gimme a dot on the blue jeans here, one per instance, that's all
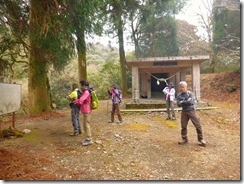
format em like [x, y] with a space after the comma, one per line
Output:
[75, 117]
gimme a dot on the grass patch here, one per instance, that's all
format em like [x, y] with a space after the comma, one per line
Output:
[171, 124]
[138, 126]
[32, 137]
[158, 118]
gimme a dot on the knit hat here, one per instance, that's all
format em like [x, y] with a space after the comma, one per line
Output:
[171, 84]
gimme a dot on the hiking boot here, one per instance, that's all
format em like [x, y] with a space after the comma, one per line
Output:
[110, 122]
[74, 134]
[86, 142]
[168, 118]
[202, 142]
[183, 141]
[173, 118]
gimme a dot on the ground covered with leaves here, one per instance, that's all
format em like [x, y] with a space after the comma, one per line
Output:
[144, 147]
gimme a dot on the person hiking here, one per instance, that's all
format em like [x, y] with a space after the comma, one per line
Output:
[85, 102]
[186, 100]
[115, 97]
[169, 92]
[75, 109]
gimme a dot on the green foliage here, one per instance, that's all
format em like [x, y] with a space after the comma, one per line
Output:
[205, 67]
[226, 36]
[60, 88]
[131, 55]
[57, 50]
[160, 39]
[101, 75]
[101, 81]
[189, 42]
[12, 43]
[99, 54]
[108, 75]
[59, 93]
[105, 52]
[86, 16]
[222, 64]
[156, 29]
[95, 60]
[226, 29]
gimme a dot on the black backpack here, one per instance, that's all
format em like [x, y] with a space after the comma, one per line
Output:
[79, 93]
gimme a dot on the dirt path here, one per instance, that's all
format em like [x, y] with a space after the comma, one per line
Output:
[144, 147]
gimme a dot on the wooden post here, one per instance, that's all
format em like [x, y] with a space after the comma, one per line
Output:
[13, 120]
[196, 80]
[135, 83]
[149, 92]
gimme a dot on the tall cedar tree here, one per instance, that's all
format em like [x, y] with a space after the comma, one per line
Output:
[116, 11]
[50, 44]
[154, 28]
[86, 18]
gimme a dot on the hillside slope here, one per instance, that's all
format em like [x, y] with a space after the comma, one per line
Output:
[218, 86]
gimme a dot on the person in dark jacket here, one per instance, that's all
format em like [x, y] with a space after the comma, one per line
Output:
[75, 110]
[186, 100]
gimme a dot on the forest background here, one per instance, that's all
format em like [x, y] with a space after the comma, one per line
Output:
[45, 44]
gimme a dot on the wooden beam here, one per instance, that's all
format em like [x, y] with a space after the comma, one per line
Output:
[164, 109]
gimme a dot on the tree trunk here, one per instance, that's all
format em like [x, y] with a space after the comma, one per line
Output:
[81, 48]
[213, 59]
[135, 39]
[79, 25]
[38, 90]
[1, 72]
[153, 41]
[122, 56]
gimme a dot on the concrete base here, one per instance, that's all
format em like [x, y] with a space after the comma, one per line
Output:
[155, 103]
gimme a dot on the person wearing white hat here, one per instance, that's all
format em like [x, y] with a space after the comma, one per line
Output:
[169, 92]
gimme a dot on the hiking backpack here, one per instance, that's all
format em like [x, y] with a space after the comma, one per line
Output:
[94, 99]
[120, 96]
[79, 94]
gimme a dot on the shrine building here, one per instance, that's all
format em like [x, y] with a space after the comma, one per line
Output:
[151, 75]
